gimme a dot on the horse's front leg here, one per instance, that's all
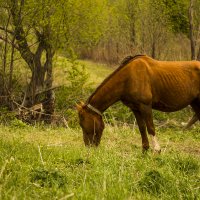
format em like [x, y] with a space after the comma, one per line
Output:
[142, 128]
[146, 111]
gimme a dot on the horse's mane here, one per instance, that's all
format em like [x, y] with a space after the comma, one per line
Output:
[124, 62]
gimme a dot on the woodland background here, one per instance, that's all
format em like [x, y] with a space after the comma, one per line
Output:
[33, 34]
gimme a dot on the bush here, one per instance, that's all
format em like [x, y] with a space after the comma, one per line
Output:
[17, 123]
[77, 89]
[6, 116]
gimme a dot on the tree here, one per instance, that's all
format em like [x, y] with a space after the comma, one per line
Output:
[177, 11]
[6, 39]
[184, 18]
[153, 27]
[33, 40]
[194, 25]
[191, 20]
[118, 32]
[40, 28]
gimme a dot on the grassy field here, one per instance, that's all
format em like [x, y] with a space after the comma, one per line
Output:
[52, 163]
[44, 162]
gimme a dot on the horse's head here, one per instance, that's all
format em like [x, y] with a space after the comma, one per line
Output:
[91, 124]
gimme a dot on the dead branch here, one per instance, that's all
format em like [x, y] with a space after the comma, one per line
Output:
[9, 42]
[37, 112]
[6, 30]
[46, 90]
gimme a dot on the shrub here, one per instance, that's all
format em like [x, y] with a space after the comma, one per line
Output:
[77, 89]
[6, 116]
[17, 123]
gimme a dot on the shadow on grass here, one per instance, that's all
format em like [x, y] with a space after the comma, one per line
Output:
[48, 178]
[153, 182]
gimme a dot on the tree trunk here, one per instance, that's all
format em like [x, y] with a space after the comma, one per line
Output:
[36, 84]
[198, 55]
[41, 76]
[192, 39]
[153, 50]
[3, 74]
[49, 102]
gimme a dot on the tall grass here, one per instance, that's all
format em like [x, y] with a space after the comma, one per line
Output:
[46, 163]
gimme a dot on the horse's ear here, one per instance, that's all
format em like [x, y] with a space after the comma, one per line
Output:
[82, 104]
[79, 107]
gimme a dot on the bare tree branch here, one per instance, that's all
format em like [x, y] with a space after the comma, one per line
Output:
[9, 42]
[6, 30]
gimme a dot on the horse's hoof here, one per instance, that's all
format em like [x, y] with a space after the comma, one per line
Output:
[157, 151]
[145, 150]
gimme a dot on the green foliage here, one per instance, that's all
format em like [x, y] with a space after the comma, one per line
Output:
[6, 116]
[72, 23]
[16, 123]
[77, 87]
[77, 76]
[178, 13]
[83, 22]
[119, 114]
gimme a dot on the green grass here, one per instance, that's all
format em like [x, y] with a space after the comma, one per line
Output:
[52, 163]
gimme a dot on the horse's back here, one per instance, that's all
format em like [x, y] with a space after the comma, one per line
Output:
[173, 84]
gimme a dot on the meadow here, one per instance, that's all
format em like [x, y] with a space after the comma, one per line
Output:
[49, 162]
[52, 163]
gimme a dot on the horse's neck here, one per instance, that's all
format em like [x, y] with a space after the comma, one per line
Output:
[107, 94]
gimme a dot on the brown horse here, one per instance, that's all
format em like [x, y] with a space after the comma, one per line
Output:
[142, 84]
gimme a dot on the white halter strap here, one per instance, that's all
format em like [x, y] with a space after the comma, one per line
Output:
[94, 109]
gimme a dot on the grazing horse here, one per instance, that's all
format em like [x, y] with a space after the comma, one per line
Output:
[142, 84]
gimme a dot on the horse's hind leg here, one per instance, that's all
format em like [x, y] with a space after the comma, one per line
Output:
[142, 128]
[191, 122]
[196, 107]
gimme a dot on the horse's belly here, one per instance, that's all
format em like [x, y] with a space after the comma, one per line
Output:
[171, 103]
[162, 106]
[174, 98]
